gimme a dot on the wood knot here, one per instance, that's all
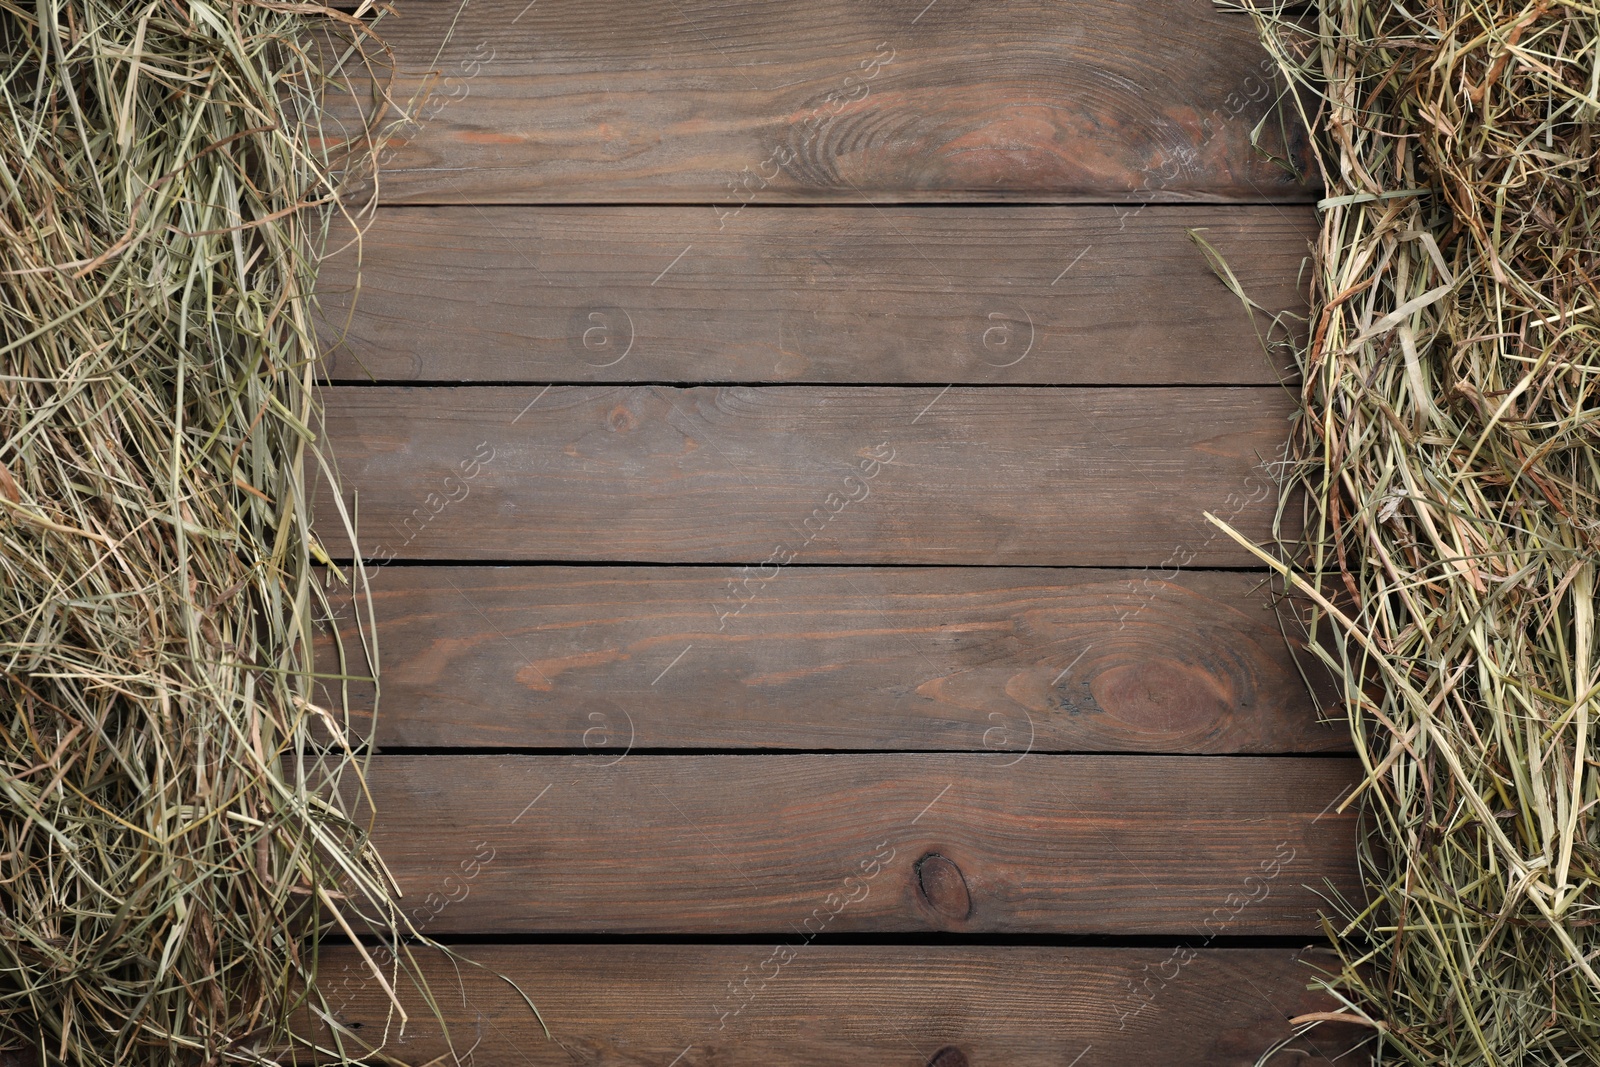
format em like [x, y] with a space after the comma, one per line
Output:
[943, 889]
[621, 420]
[1161, 695]
[949, 1056]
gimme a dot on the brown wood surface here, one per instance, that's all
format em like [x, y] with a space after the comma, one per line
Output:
[1026, 295]
[1081, 477]
[1008, 660]
[667, 145]
[721, 103]
[840, 843]
[841, 1006]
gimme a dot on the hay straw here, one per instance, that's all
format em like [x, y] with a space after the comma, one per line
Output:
[179, 825]
[1451, 483]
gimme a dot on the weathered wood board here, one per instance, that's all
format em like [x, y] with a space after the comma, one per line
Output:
[1039, 477]
[725, 104]
[615, 659]
[1000, 295]
[867, 843]
[832, 1005]
[793, 535]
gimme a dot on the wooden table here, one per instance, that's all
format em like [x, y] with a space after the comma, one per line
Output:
[780, 432]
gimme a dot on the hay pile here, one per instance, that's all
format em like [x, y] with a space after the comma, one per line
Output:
[1449, 446]
[175, 830]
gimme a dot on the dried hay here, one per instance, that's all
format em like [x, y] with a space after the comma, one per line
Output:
[1448, 465]
[179, 824]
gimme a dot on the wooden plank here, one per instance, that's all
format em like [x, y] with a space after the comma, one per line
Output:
[762, 844]
[716, 102]
[1010, 660]
[824, 1005]
[1047, 477]
[1084, 295]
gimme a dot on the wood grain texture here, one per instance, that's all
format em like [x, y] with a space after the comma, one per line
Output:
[1027, 295]
[1010, 660]
[748, 844]
[841, 1006]
[1049, 477]
[711, 101]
